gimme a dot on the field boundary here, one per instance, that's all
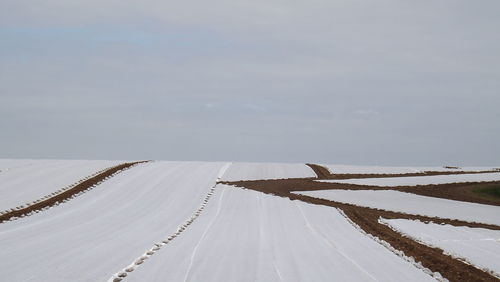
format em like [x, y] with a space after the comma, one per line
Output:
[65, 194]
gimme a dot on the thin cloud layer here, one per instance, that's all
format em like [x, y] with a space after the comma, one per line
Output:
[375, 82]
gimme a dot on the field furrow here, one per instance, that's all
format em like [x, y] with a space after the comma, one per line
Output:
[101, 231]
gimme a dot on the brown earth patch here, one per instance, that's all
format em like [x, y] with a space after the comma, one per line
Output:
[465, 192]
[68, 194]
[367, 219]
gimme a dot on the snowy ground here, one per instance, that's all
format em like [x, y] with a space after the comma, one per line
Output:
[244, 235]
[240, 235]
[421, 180]
[412, 204]
[96, 234]
[253, 171]
[478, 246]
[355, 169]
[23, 181]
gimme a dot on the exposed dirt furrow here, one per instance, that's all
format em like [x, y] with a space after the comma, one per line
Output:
[66, 195]
[368, 220]
[276, 187]
[452, 191]
[323, 173]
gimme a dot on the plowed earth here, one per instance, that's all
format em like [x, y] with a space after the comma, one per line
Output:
[368, 218]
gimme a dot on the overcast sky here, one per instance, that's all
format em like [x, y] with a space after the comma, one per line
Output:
[354, 82]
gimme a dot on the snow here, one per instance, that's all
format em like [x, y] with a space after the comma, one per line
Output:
[245, 235]
[420, 180]
[478, 246]
[9, 164]
[412, 204]
[24, 181]
[355, 169]
[94, 235]
[255, 171]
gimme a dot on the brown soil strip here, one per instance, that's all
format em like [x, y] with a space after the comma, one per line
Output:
[323, 173]
[464, 192]
[454, 191]
[68, 194]
[367, 219]
[285, 187]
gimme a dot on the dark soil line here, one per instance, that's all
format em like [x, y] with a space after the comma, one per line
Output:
[430, 257]
[323, 173]
[367, 219]
[68, 194]
[451, 191]
[274, 187]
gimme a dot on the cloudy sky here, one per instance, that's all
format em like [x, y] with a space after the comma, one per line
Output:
[354, 82]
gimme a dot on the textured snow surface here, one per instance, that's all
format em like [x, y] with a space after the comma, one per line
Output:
[420, 180]
[253, 171]
[354, 169]
[23, 181]
[478, 246]
[412, 204]
[244, 235]
[94, 235]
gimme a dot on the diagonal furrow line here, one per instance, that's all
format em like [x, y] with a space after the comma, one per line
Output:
[65, 194]
[120, 275]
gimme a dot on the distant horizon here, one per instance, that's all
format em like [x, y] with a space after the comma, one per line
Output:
[284, 162]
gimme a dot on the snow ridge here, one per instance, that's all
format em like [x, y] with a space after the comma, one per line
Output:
[435, 275]
[120, 275]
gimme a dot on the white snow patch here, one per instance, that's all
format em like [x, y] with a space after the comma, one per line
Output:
[244, 235]
[32, 180]
[420, 180]
[412, 204]
[93, 235]
[477, 246]
[256, 171]
[356, 169]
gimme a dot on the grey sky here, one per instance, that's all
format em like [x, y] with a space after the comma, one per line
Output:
[361, 82]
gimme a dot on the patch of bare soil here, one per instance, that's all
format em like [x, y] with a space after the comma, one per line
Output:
[465, 192]
[367, 219]
[68, 194]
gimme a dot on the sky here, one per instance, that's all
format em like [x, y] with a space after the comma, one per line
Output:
[349, 82]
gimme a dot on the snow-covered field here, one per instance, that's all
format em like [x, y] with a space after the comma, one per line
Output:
[254, 171]
[239, 235]
[98, 233]
[421, 180]
[412, 204]
[249, 236]
[358, 169]
[23, 181]
[478, 246]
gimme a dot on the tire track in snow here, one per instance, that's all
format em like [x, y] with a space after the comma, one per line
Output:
[193, 254]
[65, 194]
[120, 275]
